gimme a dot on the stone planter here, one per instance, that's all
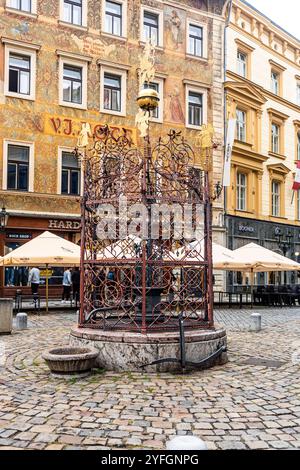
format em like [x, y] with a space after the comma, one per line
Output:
[6, 316]
[70, 361]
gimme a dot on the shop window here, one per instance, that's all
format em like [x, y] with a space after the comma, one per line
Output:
[70, 174]
[17, 167]
[276, 189]
[241, 191]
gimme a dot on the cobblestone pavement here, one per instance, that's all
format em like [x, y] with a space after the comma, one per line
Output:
[251, 403]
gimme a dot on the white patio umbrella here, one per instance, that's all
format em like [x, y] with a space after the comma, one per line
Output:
[46, 249]
[195, 250]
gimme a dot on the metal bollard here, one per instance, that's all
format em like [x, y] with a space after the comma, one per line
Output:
[255, 322]
[21, 321]
[186, 443]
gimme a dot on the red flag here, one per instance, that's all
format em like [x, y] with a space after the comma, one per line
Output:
[296, 185]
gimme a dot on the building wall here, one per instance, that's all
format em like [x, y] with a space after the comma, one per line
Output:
[50, 126]
[257, 32]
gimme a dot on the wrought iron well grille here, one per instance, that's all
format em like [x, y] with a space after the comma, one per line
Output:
[130, 279]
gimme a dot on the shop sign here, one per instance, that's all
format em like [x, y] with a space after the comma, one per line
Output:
[19, 236]
[64, 224]
[246, 228]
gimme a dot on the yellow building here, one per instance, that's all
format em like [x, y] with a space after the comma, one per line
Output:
[263, 93]
[65, 62]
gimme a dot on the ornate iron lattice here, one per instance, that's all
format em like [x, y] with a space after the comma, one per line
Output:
[130, 279]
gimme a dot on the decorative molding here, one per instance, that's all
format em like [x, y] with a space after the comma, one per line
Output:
[73, 55]
[14, 42]
[115, 65]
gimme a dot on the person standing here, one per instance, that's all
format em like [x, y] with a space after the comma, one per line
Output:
[76, 284]
[67, 283]
[34, 280]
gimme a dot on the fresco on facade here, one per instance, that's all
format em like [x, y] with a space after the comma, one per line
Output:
[174, 27]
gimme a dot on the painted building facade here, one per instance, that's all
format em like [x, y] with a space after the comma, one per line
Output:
[263, 92]
[64, 62]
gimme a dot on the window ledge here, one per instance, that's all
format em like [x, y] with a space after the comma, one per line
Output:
[195, 128]
[113, 113]
[19, 96]
[113, 36]
[275, 218]
[73, 105]
[195, 57]
[242, 143]
[73, 26]
[21, 13]
[276, 155]
[241, 213]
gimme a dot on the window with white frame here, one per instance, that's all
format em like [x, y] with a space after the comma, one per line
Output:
[298, 145]
[241, 191]
[195, 40]
[113, 18]
[18, 166]
[275, 138]
[72, 84]
[242, 63]
[72, 81]
[275, 198]
[113, 90]
[151, 27]
[20, 71]
[195, 108]
[298, 94]
[74, 12]
[275, 82]
[70, 174]
[241, 123]
[157, 113]
[22, 5]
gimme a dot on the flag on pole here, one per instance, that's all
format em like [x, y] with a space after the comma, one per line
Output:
[296, 185]
[228, 151]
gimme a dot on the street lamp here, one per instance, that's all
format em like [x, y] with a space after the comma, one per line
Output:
[284, 244]
[4, 215]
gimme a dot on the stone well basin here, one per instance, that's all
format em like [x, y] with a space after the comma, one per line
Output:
[71, 360]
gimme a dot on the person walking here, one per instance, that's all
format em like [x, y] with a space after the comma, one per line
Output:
[76, 284]
[34, 280]
[67, 283]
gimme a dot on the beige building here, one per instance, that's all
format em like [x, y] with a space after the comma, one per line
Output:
[263, 93]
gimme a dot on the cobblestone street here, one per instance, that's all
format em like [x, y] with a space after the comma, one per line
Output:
[251, 403]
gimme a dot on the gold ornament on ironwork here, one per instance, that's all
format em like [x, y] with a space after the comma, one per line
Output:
[204, 144]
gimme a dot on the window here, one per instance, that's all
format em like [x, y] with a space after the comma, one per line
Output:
[72, 84]
[275, 78]
[298, 145]
[72, 12]
[195, 108]
[242, 64]
[241, 192]
[275, 135]
[23, 5]
[298, 94]
[195, 40]
[275, 198]
[241, 125]
[151, 27]
[112, 92]
[19, 74]
[17, 167]
[70, 174]
[113, 18]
